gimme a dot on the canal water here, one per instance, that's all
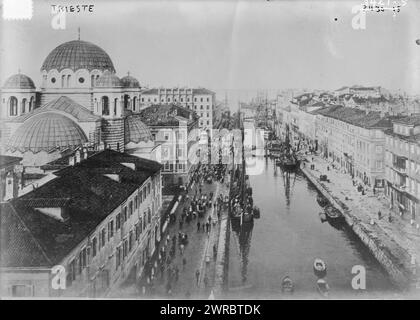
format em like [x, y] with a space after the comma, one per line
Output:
[286, 240]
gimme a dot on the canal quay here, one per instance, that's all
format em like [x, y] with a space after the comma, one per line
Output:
[286, 240]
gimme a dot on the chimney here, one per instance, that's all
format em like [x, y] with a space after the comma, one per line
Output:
[71, 160]
[56, 212]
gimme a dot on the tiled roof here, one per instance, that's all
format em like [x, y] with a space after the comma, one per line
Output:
[150, 91]
[62, 162]
[18, 247]
[88, 196]
[46, 132]
[202, 91]
[166, 115]
[8, 160]
[62, 104]
[356, 117]
[77, 55]
[19, 81]
[413, 120]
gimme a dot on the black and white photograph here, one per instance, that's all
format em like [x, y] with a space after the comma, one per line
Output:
[209, 150]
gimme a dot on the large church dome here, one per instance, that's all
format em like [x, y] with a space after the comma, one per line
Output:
[77, 55]
[46, 132]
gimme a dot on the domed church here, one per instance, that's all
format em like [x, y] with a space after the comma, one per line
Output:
[81, 103]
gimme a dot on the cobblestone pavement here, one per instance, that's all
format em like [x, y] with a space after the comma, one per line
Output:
[366, 208]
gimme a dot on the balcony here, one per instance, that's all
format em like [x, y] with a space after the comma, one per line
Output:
[400, 187]
[399, 169]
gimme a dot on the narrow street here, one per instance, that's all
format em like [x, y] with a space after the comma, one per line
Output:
[198, 252]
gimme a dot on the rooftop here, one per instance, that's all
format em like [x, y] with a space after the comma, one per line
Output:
[167, 115]
[6, 161]
[35, 239]
[356, 117]
[62, 104]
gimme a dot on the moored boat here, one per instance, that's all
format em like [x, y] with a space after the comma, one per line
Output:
[323, 288]
[323, 216]
[320, 268]
[287, 285]
[333, 213]
[322, 201]
[256, 212]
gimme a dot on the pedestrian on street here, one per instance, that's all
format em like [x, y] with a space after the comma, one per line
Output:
[181, 247]
[197, 276]
[206, 281]
[198, 226]
[379, 215]
[214, 251]
[176, 274]
[390, 218]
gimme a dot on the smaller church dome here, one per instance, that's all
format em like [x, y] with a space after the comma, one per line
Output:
[130, 82]
[108, 80]
[136, 130]
[45, 132]
[19, 81]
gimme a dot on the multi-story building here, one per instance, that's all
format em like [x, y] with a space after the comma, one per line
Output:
[200, 100]
[402, 164]
[82, 233]
[175, 129]
[355, 141]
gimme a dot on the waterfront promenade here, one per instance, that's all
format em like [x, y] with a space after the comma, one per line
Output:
[398, 239]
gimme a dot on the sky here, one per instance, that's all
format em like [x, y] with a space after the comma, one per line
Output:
[237, 47]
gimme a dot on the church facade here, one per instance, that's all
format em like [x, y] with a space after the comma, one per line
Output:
[81, 102]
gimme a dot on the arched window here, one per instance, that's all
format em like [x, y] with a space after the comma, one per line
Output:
[63, 77]
[92, 80]
[134, 103]
[105, 106]
[115, 106]
[68, 80]
[23, 105]
[126, 101]
[31, 104]
[13, 106]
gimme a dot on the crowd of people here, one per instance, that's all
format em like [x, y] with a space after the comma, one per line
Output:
[196, 207]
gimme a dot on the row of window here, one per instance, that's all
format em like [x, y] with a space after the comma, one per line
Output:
[106, 234]
[174, 99]
[403, 145]
[128, 104]
[171, 167]
[13, 105]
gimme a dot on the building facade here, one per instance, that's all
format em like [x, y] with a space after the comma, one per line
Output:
[354, 141]
[176, 130]
[200, 100]
[402, 165]
[94, 225]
